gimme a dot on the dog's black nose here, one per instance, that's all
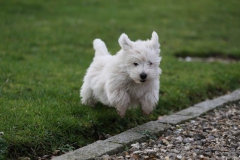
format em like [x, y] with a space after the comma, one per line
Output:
[143, 75]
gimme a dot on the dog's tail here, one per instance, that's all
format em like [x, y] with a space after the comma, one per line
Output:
[100, 47]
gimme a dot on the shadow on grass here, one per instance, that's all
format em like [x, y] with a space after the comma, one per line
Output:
[207, 54]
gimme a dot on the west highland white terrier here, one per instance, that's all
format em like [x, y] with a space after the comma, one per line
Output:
[124, 80]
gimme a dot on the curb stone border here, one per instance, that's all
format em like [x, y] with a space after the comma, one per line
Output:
[117, 143]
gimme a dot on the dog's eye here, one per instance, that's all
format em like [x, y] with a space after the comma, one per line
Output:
[150, 63]
[135, 64]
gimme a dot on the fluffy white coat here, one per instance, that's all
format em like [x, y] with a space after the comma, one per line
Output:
[127, 79]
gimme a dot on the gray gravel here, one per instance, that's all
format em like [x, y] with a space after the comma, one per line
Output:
[216, 135]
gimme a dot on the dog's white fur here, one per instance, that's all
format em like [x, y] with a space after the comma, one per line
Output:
[114, 80]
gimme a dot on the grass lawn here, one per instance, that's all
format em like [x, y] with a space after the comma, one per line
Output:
[46, 47]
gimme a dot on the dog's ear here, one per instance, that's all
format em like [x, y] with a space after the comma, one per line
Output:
[125, 42]
[155, 43]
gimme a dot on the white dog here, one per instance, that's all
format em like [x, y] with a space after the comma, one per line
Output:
[124, 80]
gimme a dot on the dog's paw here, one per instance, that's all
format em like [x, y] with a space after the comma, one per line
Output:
[121, 113]
[88, 102]
[147, 111]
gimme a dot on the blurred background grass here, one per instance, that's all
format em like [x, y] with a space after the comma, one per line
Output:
[46, 47]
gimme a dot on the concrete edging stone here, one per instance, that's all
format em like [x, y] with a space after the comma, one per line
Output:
[118, 143]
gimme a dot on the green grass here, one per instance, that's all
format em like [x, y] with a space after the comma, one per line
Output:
[46, 47]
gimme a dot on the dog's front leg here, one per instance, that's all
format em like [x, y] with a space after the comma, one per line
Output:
[149, 101]
[120, 100]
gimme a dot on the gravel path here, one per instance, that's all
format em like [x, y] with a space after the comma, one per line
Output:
[215, 135]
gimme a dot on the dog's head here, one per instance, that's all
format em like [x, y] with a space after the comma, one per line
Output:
[141, 58]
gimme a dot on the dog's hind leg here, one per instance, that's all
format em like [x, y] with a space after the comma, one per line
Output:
[86, 95]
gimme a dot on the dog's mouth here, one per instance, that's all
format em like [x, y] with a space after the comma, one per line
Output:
[142, 80]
